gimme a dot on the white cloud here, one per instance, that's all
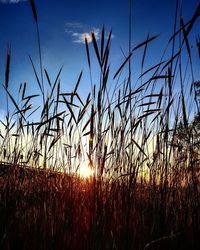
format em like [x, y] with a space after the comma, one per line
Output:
[11, 1]
[78, 32]
[80, 37]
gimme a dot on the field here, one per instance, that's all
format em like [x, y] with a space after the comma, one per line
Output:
[116, 169]
[41, 210]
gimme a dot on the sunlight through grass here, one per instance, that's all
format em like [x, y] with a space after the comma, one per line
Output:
[85, 170]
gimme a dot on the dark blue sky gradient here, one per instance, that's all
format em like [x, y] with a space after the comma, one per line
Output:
[18, 29]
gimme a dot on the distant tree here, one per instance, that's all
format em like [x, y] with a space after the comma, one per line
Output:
[196, 86]
[187, 146]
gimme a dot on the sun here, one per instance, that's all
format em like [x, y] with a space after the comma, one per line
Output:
[85, 170]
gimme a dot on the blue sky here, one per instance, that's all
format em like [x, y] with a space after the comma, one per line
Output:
[62, 25]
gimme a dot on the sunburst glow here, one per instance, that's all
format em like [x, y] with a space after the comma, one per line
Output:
[85, 170]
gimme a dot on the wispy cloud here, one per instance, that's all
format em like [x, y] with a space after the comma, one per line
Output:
[74, 25]
[11, 1]
[78, 32]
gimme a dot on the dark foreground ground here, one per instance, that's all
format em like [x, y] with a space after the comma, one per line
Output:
[44, 210]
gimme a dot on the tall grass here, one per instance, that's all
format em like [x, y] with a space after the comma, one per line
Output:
[140, 137]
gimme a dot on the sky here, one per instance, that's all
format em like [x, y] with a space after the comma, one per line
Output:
[63, 24]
